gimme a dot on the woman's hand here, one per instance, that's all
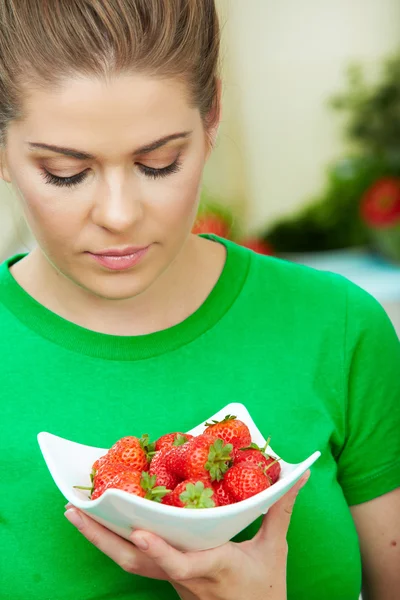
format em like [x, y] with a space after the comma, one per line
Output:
[251, 570]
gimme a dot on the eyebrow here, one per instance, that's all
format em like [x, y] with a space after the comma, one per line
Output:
[85, 156]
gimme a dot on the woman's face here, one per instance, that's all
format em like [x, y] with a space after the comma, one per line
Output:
[109, 175]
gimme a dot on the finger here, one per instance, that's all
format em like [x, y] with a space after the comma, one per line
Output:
[118, 549]
[179, 566]
[276, 522]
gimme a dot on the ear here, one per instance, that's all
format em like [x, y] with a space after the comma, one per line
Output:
[213, 118]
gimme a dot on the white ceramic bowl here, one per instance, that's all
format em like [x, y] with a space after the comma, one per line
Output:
[186, 529]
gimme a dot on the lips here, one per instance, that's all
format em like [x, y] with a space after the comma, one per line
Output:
[120, 259]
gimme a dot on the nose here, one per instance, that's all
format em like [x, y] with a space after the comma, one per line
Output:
[117, 206]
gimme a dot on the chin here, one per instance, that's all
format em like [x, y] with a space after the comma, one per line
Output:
[115, 287]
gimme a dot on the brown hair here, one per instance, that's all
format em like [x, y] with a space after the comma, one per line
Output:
[44, 41]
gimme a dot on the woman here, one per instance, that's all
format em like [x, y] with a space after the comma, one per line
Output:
[121, 321]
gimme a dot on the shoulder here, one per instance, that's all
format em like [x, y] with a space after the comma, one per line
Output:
[304, 293]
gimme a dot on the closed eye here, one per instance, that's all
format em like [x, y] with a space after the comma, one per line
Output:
[73, 180]
[164, 172]
[64, 181]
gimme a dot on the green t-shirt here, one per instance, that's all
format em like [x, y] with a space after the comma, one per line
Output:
[313, 357]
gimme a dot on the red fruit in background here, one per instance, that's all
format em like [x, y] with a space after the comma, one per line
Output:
[207, 457]
[211, 224]
[259, 246]
[257, 456]
[130, 451]
[193, 493]
[221, 495]
[158, 467]
[231, 430]
[380, 205]
[172, 439]
[244, 481]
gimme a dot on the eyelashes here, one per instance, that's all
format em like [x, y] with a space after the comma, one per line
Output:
[150, 172]
[63, 181]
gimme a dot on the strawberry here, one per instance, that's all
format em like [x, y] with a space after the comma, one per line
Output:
[175, 460]
[172, 439]
[245, 480]
[106, 473]
[97, 492]
[130, 451]
[138, 483]
[257, 456]
[103, 472]
[193, 493]
[158, 467]
[167, 499]
[207, 457]
[222, 497]
[231, 430]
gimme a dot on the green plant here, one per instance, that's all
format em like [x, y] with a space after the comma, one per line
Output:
[372, 128]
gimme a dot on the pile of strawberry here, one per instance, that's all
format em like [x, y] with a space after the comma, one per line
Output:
[219, 467]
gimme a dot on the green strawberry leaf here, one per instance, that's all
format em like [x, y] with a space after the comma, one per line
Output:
[197, 496]
[180, 440]
[147, 446]
[219, 459]
[227, 418]
[148, 482]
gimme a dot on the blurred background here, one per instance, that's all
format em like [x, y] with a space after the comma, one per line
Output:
[307, 163]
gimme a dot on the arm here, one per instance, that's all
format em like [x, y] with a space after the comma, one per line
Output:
[378, 527]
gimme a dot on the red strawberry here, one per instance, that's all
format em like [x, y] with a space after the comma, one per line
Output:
[221, 495]
[139, 484]
[194, 493]
[207, 457]
[99, 491]
[257, 456]
[167, 499]
[245, 480]
[103, 472]
[106, 473]
[172, 439]
[231, 430]
[130, 451]
[175, 460]
[158, 467]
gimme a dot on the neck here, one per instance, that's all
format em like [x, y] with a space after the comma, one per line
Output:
[172, 298]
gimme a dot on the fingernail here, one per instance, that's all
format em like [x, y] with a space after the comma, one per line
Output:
[74, 517]
[68, 505]
[140, 542]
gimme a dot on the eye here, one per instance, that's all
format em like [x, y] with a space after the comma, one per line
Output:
[164, 172]
[63, 181]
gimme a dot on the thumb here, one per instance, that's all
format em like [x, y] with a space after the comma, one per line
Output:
[277, 520]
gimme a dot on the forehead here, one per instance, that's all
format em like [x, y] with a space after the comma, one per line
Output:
[90, 113]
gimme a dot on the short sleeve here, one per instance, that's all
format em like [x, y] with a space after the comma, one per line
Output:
[369, 463]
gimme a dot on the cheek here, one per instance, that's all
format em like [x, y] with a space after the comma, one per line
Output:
[49, 217]
[178, 201]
